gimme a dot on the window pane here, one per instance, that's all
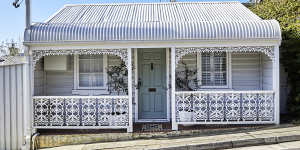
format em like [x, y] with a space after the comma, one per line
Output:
[220, 79]
[97, 80]
[206, 79]
[205, 62]
[84, 80]
[91, 71]
[220, 69]
[84, 66]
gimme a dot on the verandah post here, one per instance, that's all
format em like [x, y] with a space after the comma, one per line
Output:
[129, 67]
[276, 85]
[173, 102]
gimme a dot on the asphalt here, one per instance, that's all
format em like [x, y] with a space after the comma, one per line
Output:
[223, 141]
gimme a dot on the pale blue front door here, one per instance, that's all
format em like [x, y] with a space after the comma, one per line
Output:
[152, 84]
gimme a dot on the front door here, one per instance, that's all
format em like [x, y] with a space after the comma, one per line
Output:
[152, 84]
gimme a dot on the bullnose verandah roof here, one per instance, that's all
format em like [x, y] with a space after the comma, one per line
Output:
[153, 22]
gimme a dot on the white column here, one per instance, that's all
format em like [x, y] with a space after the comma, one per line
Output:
[129, 67]
[173, 67]
[276, 84]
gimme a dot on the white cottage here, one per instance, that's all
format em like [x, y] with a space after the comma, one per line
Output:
[111, 65]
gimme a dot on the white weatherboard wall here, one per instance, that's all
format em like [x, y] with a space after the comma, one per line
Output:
[246, 71]
[13, 96]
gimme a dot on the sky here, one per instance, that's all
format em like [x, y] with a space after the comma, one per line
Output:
[12, 20]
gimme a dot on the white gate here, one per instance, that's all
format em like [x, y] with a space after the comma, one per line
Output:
[14, 98]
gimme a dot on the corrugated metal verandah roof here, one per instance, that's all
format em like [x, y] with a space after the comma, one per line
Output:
[153, 21]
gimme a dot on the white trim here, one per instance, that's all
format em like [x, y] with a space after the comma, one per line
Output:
[136, 96]
[152, 120]
[129, 67]
[102, 96]
[228, 73]
[80, 127]
[276, 84]
[224, 92]
[173, 70]
[227, 122]
[167, 82]
[151, 44]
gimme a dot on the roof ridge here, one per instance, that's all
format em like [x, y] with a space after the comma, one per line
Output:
[150, 3]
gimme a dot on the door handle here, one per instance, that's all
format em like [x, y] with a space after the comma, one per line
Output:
[139, 84]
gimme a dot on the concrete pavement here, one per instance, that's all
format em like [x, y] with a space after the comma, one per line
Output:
[234, 140]
[281, 146]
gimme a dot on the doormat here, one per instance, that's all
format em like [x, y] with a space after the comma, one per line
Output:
[153, 127]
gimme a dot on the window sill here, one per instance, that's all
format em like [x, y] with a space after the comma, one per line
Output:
[90, 92]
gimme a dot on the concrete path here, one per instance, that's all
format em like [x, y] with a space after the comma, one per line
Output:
[280, 146]
[263, 137]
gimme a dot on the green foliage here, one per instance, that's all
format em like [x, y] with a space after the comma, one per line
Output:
[13, 50]
[186, 79]
[287, 13]
[117, 79]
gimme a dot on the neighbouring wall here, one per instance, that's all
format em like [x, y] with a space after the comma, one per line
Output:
[14, 93]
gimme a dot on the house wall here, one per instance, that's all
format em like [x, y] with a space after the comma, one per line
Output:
[39, 78]
[60, 83]
[246, 72]
[267, 73]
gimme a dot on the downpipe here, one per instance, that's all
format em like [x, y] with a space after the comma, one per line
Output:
[33, 141]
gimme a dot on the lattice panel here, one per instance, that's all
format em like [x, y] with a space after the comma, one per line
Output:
[81, 111]
[225, 107]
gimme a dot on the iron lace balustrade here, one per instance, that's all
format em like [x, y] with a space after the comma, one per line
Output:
[81, 111]
[225, 107]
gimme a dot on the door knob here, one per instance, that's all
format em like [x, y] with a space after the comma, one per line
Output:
[139, 84]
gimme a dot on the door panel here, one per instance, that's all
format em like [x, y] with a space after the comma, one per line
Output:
[152, 74]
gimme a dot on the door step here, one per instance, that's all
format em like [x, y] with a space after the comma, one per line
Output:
[152, 127]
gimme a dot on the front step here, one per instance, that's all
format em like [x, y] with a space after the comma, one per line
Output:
[54, 140]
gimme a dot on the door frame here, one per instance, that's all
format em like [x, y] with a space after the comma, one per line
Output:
[136, 91]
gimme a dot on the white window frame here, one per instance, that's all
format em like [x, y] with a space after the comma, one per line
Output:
[76, 75]
[228, 73]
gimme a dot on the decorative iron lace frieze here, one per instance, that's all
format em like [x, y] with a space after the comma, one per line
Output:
[268, 50]
[122, 53]
[225, 107]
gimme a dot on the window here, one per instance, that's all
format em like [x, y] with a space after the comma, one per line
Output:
[213, 70]
[90, 71]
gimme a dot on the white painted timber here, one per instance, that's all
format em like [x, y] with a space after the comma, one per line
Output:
[13, 111]
[173, 89]
[129, 68]
[276, 84]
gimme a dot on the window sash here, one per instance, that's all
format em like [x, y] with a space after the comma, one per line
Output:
[213, 70]
[91, 75]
